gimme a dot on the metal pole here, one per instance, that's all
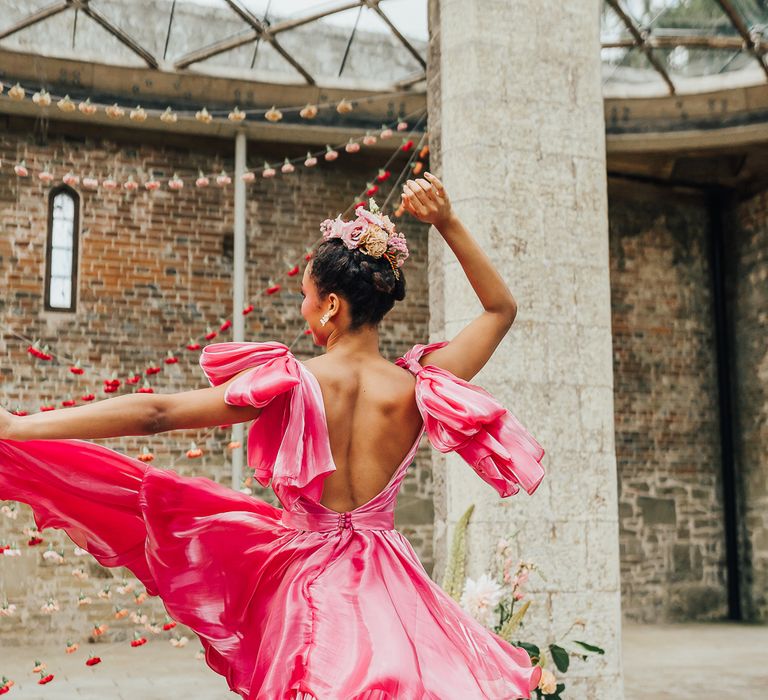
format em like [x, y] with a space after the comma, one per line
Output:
[238, 289]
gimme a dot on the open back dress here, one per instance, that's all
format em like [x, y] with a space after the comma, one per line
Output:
[299, 602]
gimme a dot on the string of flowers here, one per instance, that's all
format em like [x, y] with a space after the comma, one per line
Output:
[136, 113]
[221, 178]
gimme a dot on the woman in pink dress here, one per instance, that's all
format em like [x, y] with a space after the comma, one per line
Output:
[322, 599]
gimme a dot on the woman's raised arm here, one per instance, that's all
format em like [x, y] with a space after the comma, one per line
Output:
[473, 346]
[130, 414]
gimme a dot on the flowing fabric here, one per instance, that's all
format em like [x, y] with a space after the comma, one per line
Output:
[299, 602]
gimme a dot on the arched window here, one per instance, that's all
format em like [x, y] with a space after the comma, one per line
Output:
[62, 249]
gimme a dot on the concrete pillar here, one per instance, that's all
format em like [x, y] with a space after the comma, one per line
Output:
[517, 135]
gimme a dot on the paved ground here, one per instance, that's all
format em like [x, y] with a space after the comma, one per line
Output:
[695, 661]
[662, 662]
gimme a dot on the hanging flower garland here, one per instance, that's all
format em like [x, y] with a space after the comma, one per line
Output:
[135, 183]
[136, 113]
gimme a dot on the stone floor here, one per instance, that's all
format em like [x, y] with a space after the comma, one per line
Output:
[662, 662]
[695, 661]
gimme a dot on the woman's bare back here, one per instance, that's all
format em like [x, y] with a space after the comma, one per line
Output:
[373, 421]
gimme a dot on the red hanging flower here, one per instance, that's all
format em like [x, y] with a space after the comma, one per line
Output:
[146, 456]
[407, 145]
[293, 271]
[171, 360]
[247, 309]
[76, 369]
[34, 540]
[169, 625]
[45, 679]
[87, 397]
[152, 369]
[272, 289]
[92, 661]
[372, 189]
[68, 402]
[47, 408]
[211, 334]
[225, 325]
[194, 451]
[193, 345]
[383, 175]
[19, 412]
[146, 389]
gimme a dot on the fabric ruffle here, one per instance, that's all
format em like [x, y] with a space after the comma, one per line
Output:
[464, 418]
[287, 443]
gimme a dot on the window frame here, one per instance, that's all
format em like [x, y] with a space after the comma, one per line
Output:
[52, 194]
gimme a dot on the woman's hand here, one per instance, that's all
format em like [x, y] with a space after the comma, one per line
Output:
[427, 201]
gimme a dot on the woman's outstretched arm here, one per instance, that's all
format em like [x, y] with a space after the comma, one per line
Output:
[473, 346]
[130, 414]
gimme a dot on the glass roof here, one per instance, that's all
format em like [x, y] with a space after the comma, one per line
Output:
[648, 46]
[684, 45]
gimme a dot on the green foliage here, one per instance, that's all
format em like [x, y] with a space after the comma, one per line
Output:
[590, 647]
[560, 657]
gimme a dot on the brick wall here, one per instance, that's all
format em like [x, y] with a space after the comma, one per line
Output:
[154, 270]
[666, 407]
[747, 291]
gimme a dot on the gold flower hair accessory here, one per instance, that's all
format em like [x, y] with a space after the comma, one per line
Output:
[372, 232]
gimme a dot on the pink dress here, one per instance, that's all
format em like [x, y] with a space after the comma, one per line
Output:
[299, 602]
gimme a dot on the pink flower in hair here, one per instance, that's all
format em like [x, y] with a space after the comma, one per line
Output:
[332, 228]
[398, 246]
[371, 231]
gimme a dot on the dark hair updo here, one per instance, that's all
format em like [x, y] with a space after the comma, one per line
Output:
[368, 284]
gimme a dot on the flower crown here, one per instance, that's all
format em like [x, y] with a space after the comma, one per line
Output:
[373, 233]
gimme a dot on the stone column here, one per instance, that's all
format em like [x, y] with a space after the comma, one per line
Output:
[518, 138]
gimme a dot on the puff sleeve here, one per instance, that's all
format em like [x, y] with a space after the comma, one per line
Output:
[464, 418]
[285, 443]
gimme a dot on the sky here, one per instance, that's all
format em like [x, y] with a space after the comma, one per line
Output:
[409, 16]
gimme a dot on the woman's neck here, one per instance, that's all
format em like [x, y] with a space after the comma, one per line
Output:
[364, 341]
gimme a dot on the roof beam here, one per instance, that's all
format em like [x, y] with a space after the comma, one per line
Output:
[641, 41]
[115, 31]
[219, 47]
[741, 27]
[35, 17]
[300, 21]
[670, 41]
[374, 5]
[263, 32]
